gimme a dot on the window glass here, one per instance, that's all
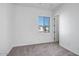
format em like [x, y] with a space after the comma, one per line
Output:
[43, 23]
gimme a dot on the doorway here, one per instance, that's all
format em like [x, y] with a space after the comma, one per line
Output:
[56, 28]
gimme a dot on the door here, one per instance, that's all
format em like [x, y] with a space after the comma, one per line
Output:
[56, 28]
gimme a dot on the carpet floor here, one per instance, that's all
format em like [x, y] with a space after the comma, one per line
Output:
[46, 49]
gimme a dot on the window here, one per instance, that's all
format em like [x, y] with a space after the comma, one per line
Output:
[43, 23]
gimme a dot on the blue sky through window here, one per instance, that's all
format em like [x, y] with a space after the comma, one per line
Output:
[43, 21]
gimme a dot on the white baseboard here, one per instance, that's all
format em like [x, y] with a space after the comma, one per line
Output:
[9, 50]
[69, 49]
[32, 43]
[5, 52]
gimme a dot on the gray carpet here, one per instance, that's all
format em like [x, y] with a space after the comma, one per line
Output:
[47, 49]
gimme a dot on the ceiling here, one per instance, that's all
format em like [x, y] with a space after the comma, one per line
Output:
[47, 6]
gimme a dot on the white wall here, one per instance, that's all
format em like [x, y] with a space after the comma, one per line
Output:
[27, 32]
[5, 28]
[22, 29]
[10, 25]
[69, 27]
